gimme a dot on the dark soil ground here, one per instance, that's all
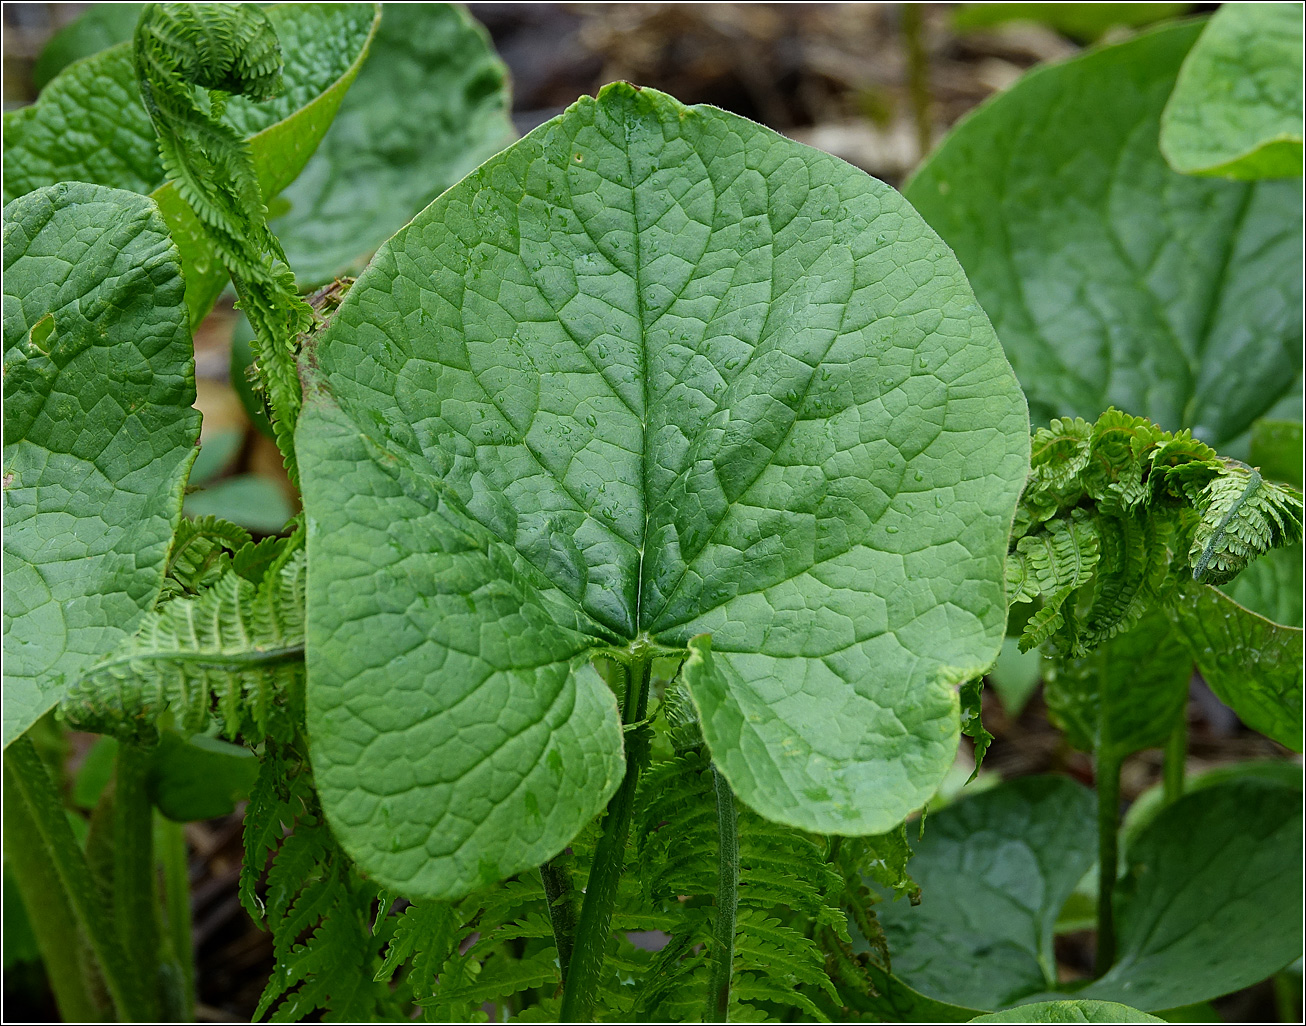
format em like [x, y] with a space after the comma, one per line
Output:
[876, 84]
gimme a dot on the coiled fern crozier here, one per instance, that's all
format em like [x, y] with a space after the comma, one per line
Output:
[189, 58]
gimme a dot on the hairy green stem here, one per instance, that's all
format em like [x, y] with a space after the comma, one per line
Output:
[1176, 758]
[176, 889]
[918, 80]
[28, 778]
[727, 900]
[592, 930]
[1108, 840]
[63, 948]
[561, 896]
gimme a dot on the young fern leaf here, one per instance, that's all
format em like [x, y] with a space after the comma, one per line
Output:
[235, 645]
[1243, 516]
[188, 58]
[1114, 511]
[200, 554]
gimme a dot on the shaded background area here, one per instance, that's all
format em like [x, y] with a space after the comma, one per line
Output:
[875, 84]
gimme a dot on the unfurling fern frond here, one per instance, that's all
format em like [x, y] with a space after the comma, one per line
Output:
[236, 646]
[180, 49]
[200, 554]
[1242, 517]
[1124, 507]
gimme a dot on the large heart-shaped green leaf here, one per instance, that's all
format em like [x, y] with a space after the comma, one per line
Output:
[99, 433]
[1237, 105]
[652, 375]
[994, 871]
[89, 125]
[428, 106]
[1111, 279]
[1211, 902]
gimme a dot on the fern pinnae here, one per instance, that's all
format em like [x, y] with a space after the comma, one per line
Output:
[234, 642]
[226, 48]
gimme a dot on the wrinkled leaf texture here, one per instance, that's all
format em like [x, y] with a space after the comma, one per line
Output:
[652, 371]
[1110, 278]
[99, 433]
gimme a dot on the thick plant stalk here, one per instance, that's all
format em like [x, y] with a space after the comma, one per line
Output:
[561, 896]
[64, 950]
[135, 910]
[1108, 839]
[1176, 758]
[171, 840]
[727, 900]
[28, 778]
[581, 982]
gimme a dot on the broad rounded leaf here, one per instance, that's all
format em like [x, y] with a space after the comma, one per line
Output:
[1237, 105]
[1211, 902]
[430, 103]
[99, 432]
[1111, 279]
[1070, 1012]
[101, 27]
[994, 871]
[1085, 22]
[1271, 586]
[652, 372]
[89, 125]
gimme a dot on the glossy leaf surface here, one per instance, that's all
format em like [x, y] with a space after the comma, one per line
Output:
[1110, 278]
[652, 372]
[1211, 901]
[1236, 111]
[1253, 664]
[994, 871]
[99, 430]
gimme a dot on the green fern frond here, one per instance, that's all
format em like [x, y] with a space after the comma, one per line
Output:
[234, 645]
[200, 553]
[1134, 568]
[226, 48]
[1243, 516]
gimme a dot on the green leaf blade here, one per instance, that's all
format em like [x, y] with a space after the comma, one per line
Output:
[429, 105]
[99, 430]
[1236, 110]
[668, 375]
[1070, 1012]
[1111, 279]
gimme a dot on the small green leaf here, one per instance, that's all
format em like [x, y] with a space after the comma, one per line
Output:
[1112, 279]
[994, 870]
[89, 125]
[428, 106]
[1069, 1012]
[254, 502]
[653, 373]
[1236, 111]
[1252, 664]
[1211, 902]
[99, 430]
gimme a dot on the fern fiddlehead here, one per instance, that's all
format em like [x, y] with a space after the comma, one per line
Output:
[189, 58]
